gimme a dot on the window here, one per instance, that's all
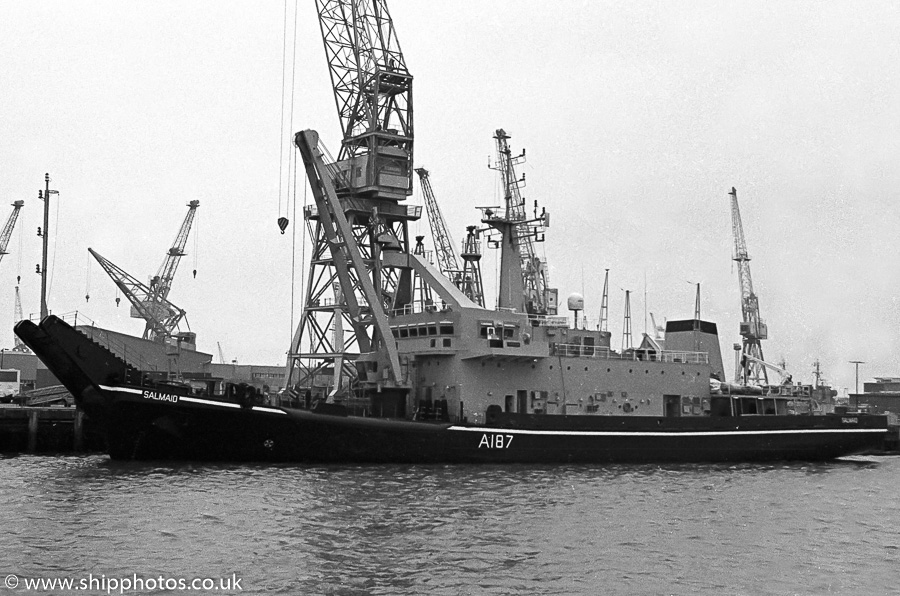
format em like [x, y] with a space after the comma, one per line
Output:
[446, 329]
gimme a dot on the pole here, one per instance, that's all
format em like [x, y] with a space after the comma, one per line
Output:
[857, 363]
[46, 236]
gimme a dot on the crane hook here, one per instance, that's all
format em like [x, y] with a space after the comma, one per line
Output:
[283, 224]
[117, 301]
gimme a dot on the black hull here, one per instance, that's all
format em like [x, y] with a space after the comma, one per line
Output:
[143, 423]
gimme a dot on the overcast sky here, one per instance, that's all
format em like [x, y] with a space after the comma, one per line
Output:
[637, 117]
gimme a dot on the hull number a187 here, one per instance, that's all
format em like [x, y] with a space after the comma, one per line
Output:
[491, 441]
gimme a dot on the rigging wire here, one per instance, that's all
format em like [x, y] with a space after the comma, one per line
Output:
[196, 242]
[281, 122]
[19, 256]
[87, 283]
[294, 256]
[53, 262]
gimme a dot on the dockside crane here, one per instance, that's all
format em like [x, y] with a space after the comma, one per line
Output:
[150, 301]
[162, 316]
[17, 316]
[467, 279]
[8, 227]
[445, 253]
[161, 283]
[753, 329]
[5, 235]
[357, 218]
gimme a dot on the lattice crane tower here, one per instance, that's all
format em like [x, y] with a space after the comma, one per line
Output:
[343, 334]
[753, 328]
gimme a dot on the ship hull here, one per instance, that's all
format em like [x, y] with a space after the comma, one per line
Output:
[222, 431]
[143, 423]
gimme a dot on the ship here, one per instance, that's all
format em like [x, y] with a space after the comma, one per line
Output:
[443, 379]
[396, 359]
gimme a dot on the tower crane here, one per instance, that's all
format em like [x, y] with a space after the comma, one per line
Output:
[150, 301]
[357, 219]
[753, 328]
[8, 228]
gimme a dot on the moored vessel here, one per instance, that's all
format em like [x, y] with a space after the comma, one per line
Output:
[398, 360]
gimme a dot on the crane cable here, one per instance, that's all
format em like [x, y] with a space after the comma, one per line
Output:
[282, 219]
[196, 242]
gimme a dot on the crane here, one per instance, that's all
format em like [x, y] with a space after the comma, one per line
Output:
[373, 94]
[753, 328]
[8, 228]
[468, 280]
[447, 259]
[19, 344]
[343, 331]
[537, 294]
[150, 301]
[161, 283]
[162, 316]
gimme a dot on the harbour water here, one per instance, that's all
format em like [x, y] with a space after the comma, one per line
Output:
[826, 528]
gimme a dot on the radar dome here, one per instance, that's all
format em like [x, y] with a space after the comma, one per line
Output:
[575, 301]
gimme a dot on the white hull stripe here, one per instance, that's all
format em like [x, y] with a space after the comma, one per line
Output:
[675, 433]
[557, 433]
[196, 400]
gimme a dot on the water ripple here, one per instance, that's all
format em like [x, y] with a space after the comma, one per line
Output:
[744, 529]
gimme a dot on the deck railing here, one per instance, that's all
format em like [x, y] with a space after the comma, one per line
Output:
[604, 353]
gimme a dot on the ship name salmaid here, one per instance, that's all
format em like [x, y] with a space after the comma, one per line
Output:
[156, 395]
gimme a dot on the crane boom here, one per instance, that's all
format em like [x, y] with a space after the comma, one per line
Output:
[8, 228]
[373, 94]
[753, 328]
[443, 244]
[162, 282]
[162, 316]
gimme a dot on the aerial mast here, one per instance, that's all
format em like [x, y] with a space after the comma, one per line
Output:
[627, 343]
[753, 328]
[604, 303]
[470, 281]
[537, 297]
[45, 234]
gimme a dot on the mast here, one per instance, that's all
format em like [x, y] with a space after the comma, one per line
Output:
[45, 233]
[604, 304]
[536, 294]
